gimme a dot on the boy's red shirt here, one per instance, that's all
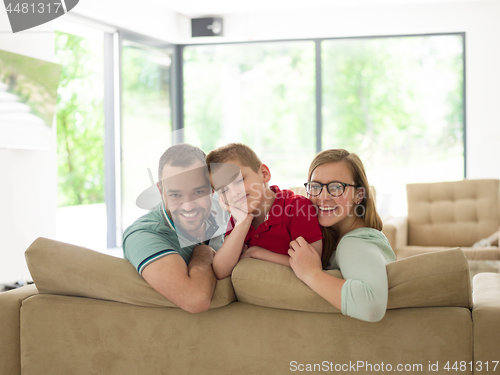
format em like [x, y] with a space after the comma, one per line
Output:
[289, 217]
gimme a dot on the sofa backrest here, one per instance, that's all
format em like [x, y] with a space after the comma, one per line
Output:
[452, 214]
[70, 270]
[437, 279]
[428, 280]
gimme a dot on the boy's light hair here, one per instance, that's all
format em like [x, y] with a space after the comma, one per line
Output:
[235, 152]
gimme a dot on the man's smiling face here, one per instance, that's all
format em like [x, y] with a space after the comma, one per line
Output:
[186, 193]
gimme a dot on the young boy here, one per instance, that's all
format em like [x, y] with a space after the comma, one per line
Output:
[264, 219]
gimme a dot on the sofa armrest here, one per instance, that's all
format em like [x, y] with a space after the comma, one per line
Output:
[10, 341]
[396, 231]
[486, 318]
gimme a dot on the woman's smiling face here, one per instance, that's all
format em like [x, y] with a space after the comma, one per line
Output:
[335, 211]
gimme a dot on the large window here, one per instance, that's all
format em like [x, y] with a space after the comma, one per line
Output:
[398, 102]
[259, 94]
[146, 120]
[81, 215]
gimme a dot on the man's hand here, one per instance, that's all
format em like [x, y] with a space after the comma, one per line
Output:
[188, 286]
[304, 259]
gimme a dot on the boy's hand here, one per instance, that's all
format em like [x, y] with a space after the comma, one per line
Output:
[239, 215]
[304, 259]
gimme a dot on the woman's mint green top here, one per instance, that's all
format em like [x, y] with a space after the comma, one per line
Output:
[361, 256]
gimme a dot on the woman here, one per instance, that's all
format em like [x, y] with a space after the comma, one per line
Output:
[352, 239]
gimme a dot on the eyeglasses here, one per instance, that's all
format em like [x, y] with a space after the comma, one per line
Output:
[335, 188]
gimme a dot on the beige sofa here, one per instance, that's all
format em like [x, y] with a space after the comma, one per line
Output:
[448, 214]
[93, 314]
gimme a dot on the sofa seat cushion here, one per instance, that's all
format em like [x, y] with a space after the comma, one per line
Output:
[429, 280]
[61, 268]
[471, 253]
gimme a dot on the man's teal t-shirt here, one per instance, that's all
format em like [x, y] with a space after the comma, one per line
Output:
[152, 237]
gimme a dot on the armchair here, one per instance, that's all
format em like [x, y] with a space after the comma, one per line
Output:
[448, 214]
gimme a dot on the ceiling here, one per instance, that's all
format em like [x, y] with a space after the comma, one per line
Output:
[194, 8]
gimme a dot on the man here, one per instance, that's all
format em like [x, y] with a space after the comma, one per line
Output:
[173, 245]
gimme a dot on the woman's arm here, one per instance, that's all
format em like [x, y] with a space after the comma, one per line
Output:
[363, 266]
[363, 292]
[306, 263]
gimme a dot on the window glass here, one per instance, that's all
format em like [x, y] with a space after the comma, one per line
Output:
[80, 138]
[259, 94]
[398, 104]
[146, 121]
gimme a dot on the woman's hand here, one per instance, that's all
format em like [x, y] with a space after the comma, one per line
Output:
[304, 259]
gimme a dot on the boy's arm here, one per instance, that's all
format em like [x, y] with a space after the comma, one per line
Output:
[229, 253]
[258, 252]
[318, 246]
[304, 223]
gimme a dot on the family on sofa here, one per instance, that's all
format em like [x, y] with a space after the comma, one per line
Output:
[182, 246]
[92, 313]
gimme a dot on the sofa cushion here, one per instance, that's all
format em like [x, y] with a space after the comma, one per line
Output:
[435, 279]
[61, 268]
[471, 253]
[272, 285]
[428, 280]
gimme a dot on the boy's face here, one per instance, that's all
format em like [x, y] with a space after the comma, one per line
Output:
[240, 186]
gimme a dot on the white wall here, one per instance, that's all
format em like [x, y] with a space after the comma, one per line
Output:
[28, 182]
[150, 18]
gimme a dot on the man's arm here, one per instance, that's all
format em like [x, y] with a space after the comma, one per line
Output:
[188, 286]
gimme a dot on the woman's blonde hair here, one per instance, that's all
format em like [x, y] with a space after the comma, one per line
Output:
[369, 211]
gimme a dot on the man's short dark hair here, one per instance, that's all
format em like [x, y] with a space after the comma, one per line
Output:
[181, 155]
